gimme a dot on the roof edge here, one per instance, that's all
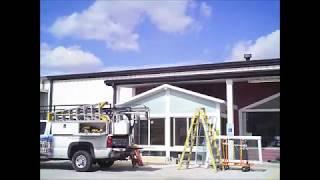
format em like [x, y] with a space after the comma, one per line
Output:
[222, 65]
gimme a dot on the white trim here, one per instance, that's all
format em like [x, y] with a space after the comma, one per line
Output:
[133, 91]
[260, 150]
[149, 134]
[118, 89]
[190, 114]
[205, 81]
[261, 102]
[163, 87]
[240, 137]
[261, 110]
[43, 91]
[51, 83]
[174, 132]
[230, 109]
[157, 115]
[264, 81]
[167, 123]
[188, 73]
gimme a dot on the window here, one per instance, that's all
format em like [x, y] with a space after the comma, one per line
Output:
[141, 132]
[153, 153]
[266, 125]
[42, 127]
[223, 126]
[175, 154]
[157, 131]
[180, 131]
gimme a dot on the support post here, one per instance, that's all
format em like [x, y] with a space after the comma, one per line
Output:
[50, 95]
[230, 125]
[230, 121]
[114, 95]
[260, 150]
[167, 125]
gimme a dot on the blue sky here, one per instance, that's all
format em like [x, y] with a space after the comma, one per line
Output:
[80, 36]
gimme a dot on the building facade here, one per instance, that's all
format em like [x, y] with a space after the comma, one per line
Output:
[250, 90]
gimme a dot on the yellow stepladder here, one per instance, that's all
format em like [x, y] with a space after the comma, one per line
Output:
[200, 118]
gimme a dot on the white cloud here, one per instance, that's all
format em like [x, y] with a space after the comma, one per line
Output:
[205, 9]
[67, 59]
[265, 47]
[115, 22]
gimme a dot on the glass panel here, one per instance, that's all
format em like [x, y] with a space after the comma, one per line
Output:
[223, 126]
[175, 154]
[201, 136]
[266, 125]
[272, 104]
[180, 131]
[157, 131]
[141, 132]
[42, 127]
[153, 153]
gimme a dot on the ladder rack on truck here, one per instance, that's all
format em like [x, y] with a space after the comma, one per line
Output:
[94, 119]
[96, 112]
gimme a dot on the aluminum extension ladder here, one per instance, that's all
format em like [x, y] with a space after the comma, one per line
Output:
[82, 113]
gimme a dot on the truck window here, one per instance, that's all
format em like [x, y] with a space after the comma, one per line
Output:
[42, 127]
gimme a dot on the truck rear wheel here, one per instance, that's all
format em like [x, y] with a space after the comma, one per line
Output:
[105, 164]
[81, 161]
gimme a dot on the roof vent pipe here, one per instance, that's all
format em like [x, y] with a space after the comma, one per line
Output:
[247, 57]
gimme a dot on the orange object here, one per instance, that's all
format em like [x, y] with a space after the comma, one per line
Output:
[136, 158]
[226, 163]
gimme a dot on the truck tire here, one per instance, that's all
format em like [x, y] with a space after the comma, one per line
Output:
[82, 161]
[105, 164]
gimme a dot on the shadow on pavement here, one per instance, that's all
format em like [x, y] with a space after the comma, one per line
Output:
[129, 168]
[114, 168]
[62, 165]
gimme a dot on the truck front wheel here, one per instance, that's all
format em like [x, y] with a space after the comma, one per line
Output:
[81, 161]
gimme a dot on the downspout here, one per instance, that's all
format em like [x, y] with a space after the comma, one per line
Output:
[50, 95]
[114, 94]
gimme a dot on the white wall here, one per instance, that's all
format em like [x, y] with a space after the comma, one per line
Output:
[45, 85]
[85, 91]
[125, 94]
[43, 99]
[184, 103]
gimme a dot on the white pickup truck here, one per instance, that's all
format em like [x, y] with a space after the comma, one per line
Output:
[86, 142]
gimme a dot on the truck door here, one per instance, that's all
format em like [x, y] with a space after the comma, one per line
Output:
[45, 141]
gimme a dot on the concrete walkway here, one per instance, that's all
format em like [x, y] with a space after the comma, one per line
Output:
[123, 170]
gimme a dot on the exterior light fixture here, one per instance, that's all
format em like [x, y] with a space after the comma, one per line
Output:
[247, 56]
